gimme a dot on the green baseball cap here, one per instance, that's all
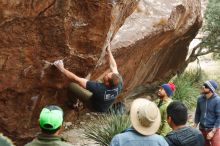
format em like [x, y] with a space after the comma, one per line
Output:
[51, 117]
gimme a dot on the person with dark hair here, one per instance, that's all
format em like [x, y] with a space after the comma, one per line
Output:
[164, 93]
[181, 135]
[51, 124]
[97, 96]
[208, 113]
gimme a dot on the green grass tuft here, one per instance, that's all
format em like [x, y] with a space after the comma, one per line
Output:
[188, 87]
[106, 127]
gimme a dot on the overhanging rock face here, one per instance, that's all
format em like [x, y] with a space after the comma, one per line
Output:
[35, 33]
[153, 42]
[148, 46]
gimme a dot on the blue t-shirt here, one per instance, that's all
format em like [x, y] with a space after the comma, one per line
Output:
[102, 97]
[130, 137]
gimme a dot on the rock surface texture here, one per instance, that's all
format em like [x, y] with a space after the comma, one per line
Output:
[150, 41]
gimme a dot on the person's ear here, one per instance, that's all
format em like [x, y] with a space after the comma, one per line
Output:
[62, 128]
[169, 119]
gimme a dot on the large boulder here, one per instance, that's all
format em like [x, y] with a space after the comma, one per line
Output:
[149, 41]
[152, 45]
[34, 34]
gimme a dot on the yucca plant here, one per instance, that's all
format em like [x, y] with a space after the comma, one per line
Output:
[106, 127]
[187, 87]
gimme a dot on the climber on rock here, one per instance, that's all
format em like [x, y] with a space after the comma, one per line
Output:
[97, 96]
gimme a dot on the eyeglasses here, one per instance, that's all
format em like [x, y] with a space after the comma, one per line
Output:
[205, 86]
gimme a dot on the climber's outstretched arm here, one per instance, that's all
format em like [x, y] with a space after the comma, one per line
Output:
[112, 62]
[73, 77]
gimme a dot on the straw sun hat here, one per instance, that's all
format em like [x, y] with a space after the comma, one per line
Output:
[145, 116]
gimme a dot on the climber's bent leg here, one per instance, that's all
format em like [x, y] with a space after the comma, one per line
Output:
[78, 92]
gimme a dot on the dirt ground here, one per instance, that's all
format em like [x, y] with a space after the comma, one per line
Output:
[74, 132]
[210, 67]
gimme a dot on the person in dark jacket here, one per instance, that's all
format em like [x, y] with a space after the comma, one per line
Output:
[208, 113]
[51, 124]
[181, 135]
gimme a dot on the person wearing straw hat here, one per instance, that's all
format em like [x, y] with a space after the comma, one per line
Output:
[207, 114]
[51, 124]
[181, 135]
[145, 119]
[164, 93]
[97, 96]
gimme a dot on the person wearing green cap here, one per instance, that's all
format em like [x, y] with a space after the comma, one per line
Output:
[51, 124]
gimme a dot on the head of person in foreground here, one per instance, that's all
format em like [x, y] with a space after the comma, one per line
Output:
[145, 116]
[51, 120]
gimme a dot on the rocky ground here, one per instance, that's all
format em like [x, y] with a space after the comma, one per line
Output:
[74, 132]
